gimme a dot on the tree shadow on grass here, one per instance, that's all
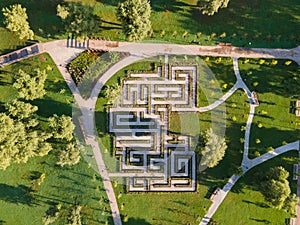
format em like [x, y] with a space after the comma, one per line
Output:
[168, 5]
[54, 198]
[259, 204]
[261, 220]
[282, 80]
[240, 18]
[48, 107]
[20, 194]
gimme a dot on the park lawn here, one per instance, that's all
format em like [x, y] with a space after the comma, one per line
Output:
[261, 23]
[256, 24]
[277, 89]
[246, 205]
[22, 202]
[192, 206]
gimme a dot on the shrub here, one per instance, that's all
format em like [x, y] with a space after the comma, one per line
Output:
[263, 112]
[274, 62]
[257, 141]
[255, 84]
[79, 65]
[246, 61]
[198, 34]
[185, 34]
[261, 61]
[257, 154]
[259, 125]
[234, 118]
[213, 35]
[223, 35]
[270, 148]
[287, 63]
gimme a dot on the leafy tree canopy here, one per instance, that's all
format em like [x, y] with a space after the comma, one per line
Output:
[30, 86]
[69, 156]
[62, 126]
[79, 20]
[21, 110]
[135, 18]
[210, 7]
[112, 93]
[214, 150]
[276, 190]
[18, 142]
[16, 21]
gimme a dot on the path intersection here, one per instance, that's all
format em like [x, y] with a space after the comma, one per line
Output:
[169, 87]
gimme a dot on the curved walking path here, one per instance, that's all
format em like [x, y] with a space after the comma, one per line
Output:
[61, 55]
[247, 163]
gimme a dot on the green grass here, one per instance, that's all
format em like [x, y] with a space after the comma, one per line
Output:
[261, 23]
[246, 205]
[22, 202]
[180, 208]
[9, 41]
[277, 89]
[237, 110]
[269, 23]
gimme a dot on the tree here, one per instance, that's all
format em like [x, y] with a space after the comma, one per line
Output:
[16, 21]
[210, 7]
[62, 127]
[21, 110]
[75, 217]
[135, 18]
[51, 214]
[79, 20]
[290, 203]
[19, 142]
[276, 189]
[277, 173]
[214, 150]
[276, 192]
[69, 156]
[30, 86]
[112, 93]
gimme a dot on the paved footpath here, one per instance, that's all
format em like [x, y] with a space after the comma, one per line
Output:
[247, 163]
[61, 55]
